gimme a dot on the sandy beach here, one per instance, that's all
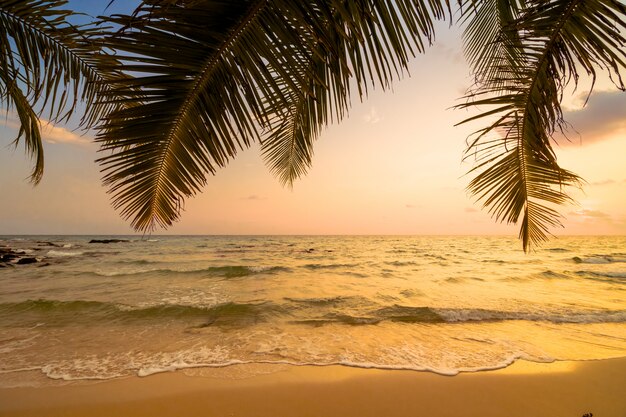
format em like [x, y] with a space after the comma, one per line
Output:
[561, 389]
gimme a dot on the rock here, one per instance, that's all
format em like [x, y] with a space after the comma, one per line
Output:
[8, 257]
[108, 240]
[43, 264]
[24, 261]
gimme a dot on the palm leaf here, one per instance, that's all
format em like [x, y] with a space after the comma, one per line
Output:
[12, 95]
[489, 37]
[214, 76]
[403, 29]
[49, 65]
[517, 169]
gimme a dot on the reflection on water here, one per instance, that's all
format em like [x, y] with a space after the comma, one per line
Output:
[445, 304]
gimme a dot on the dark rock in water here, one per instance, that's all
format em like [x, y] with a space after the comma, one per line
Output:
[43, 264]
[8, 257]
[108, 240]
[24, 261]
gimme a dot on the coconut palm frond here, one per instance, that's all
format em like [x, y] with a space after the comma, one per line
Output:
[12, 96]
[517, 169]
[394, 34]
[489, 36]
[214, 76]
[53, 64]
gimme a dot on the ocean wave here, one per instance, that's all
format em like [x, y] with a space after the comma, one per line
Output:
[401, 263]
[105, 368]
[551, 274]
[68, 312]
[326, 301]
[480, 315]
[318, 312]
[329, 266]
[600, 259]
[230, 271]
[427, 315]
[609, 276]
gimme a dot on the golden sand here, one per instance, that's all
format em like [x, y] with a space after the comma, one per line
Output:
[563, 389]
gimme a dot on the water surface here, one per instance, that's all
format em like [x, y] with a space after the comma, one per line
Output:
[443, 304]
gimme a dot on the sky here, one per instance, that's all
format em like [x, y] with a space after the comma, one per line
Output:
[394, 166]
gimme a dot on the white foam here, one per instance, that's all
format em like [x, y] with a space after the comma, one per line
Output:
[53, 372]
[260, 269]
[183, 365]
[27, 369]
[62, 254]
[126, 272]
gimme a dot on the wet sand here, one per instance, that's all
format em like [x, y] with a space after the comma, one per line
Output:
[561, 389]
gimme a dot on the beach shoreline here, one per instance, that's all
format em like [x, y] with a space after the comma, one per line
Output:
[523, 389]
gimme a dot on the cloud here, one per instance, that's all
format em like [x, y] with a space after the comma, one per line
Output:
[470, 210]
[590, 213]
[603, 116]
[372, 116]
[253, 197]
[49, 132]
[603, 182]
[55, 134]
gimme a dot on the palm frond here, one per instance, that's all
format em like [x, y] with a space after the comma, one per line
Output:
[490, 37]
[399, 31]
[51, 65]
[517, 169]
[213, 76]
[11, 94]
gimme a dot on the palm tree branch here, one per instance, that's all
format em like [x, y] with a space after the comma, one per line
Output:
[258, 78]
[554, 37]
[56, 64]
[197, 88]
[29, 123]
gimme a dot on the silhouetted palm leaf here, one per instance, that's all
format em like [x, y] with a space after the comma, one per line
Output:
[47, 64]
[517, 170]
[214, 76]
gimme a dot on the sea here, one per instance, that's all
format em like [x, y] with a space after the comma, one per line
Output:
[245, 305]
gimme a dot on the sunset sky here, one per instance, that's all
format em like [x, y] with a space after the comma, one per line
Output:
[394, 166]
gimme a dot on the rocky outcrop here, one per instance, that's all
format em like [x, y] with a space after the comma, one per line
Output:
[108, 240]
[10, 257]
[24, 261]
